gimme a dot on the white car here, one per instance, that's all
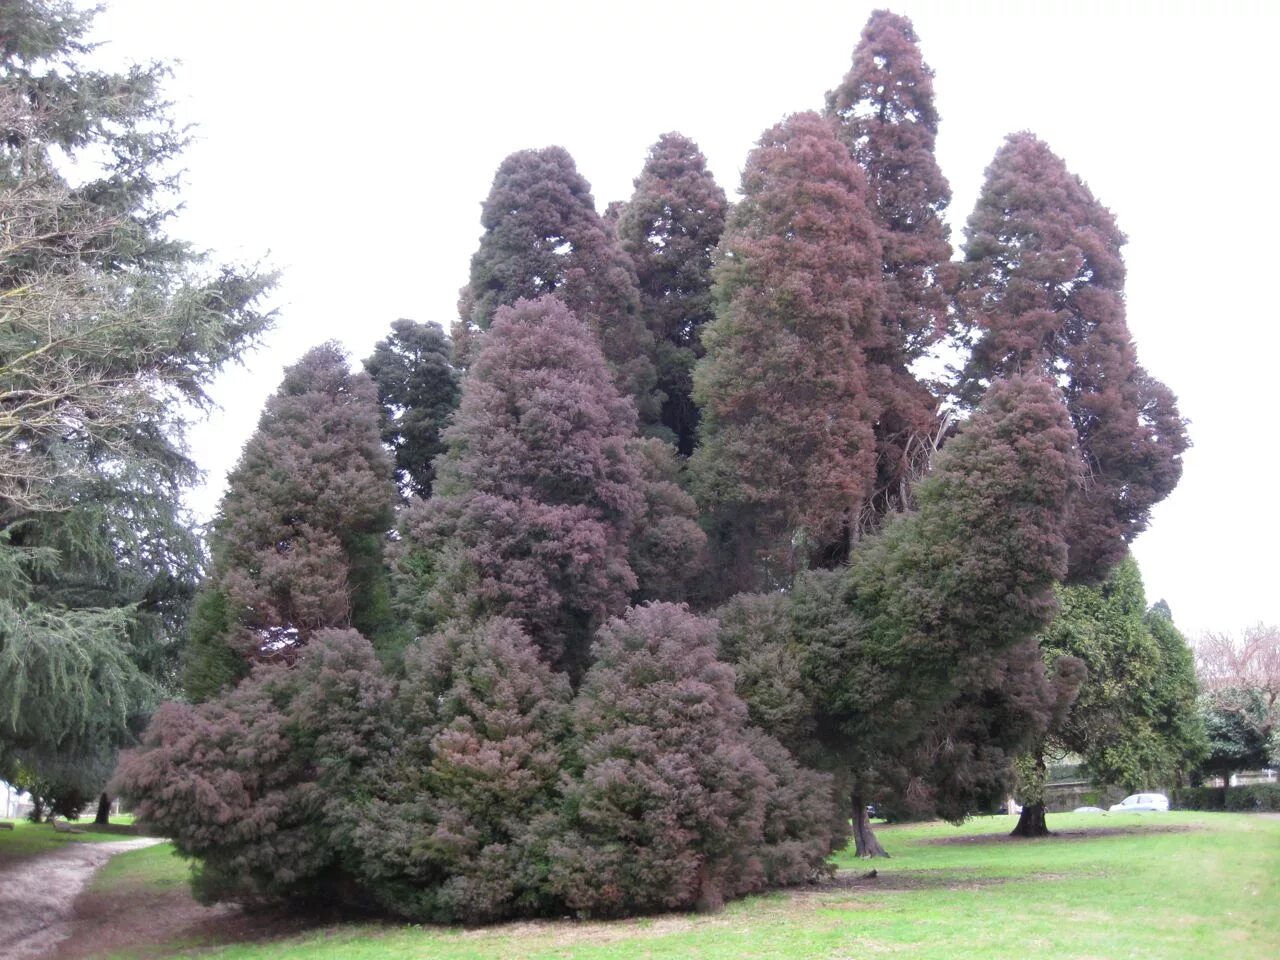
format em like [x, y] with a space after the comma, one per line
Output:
[1142, 803]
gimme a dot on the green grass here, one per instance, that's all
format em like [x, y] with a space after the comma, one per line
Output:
[31, 839]
[1184, 885]
[149, 870]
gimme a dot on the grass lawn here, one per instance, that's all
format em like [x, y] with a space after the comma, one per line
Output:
[1179, 885]
[28, 839]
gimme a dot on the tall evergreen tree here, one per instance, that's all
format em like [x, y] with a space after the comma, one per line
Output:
[297, 542]
[1133, 720]
[540, 496]
[111, 328]
[886, 115]
[787, 455]
[1044, 291]
[869, 672]
[542, 235]
[670, 229]
[418, 390]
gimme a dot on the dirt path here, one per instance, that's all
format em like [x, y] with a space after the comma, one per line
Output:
[36, 894]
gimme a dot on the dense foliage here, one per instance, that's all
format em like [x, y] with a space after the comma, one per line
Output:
[1044, 290]
[887, 117]
[110, 330]
[297, 542]
[509, 711]
[1133, 719]
[542, 236]
[670, 229]
[786, 456]
[542, 497]
[418, 391]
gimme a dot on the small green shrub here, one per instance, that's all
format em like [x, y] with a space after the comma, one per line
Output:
[1252, 798]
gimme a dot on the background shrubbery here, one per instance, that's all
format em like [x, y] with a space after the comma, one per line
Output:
[1253, 797]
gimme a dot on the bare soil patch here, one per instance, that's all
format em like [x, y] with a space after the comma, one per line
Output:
[106, 922]
[37, 893]
[1057, 836]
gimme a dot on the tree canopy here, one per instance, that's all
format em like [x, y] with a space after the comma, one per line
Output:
[111, 332]
[1043, 289]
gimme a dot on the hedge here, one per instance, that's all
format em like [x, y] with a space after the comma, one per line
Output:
[1250, 798]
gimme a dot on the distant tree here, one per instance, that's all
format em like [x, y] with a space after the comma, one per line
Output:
[787, 454]
[111, 330]
[1043, 291]
[1132, 720]
[886, 115]
[542, 235]
[446, 833]
[541, 502]
[297, 542]
[669, 805]
[255, 784]
[418, 390]
[670, 229]
[1240, 679]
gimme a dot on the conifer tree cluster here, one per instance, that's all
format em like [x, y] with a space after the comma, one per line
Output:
[633, 593]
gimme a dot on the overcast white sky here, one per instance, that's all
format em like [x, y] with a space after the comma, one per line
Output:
[352, 144]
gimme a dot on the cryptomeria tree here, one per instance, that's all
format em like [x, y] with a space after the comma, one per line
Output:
[256, 785]
[111, 330]
[297, 542]
[1133, 720]
[670, 228]
[448, 823]
[542, 497]
[542, 235]
[672, 802]
[787, 454]
[1044, 291]
[887, 117]
[873, 672]
[418, 390]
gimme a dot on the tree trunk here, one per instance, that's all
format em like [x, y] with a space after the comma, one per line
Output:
[104, 810]
[1031, 822]
[37, 808]
[865, 843]
[1226, 787]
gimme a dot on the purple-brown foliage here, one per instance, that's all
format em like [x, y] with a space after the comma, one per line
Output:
[887, 117]
[1044, 291]
[540, 502]
[787, 448]
[670, 807]
[667, 548]
[297, 541]
[446, 835]
[254, 784]
[542, 235]
[669, 229]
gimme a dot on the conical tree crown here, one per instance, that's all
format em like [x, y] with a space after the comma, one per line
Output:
[670, 229]
[1044, 291]
[787, 413]
[297, 541]
[886, 115]
[538, 495]
[542, 236]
